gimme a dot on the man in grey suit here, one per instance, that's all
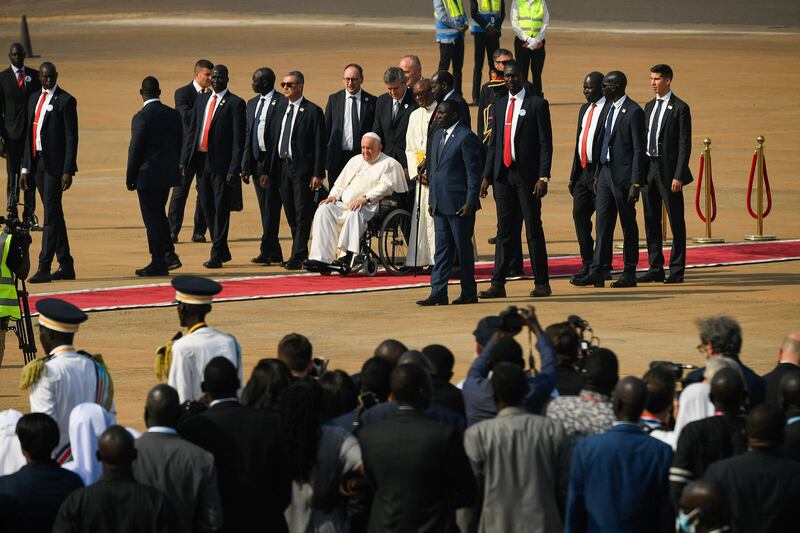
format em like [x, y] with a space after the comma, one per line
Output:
[184, 472]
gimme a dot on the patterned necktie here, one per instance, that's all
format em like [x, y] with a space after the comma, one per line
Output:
[21, 80]
[507, 132]
[441, 147]
[36, 119]
[395, 108]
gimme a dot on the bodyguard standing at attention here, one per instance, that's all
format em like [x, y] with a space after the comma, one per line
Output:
[451, 23]
[622, 171]
[50, 161]
[669, 148]
[530, 19]
[454, 174]
[214, 145]
[487, 20]
[185, 98]
[518, 161]
[261, 114]
[153, 168]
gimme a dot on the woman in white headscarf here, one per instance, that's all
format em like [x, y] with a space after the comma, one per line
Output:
[11, 458]
[87, 422]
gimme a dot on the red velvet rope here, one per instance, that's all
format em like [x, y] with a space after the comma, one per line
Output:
[766, 187]
[697, 193]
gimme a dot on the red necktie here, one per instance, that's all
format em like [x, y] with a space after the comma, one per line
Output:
[507, 134]
[585, 136]
[209, 116]
[36, 119]
[20, 79]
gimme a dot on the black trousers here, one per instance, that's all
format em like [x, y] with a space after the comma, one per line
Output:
[342, 157]
[15, 149]
[215, 201]
[269, 206]
[612, 200]
[485, 45]
[533, 59]
[54, 229]
[298, 204]
[656, 192]
[583, 202]
[453, 53]
[516, 204]
[177, 204]
[153, 203]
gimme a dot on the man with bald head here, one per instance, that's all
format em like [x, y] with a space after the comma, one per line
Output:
[443, 87]
[412, 69]
[116, 502]
[703, 507]
[789, 397]
[185, 473]
[619, 480]
[391, 350]
[788, 363]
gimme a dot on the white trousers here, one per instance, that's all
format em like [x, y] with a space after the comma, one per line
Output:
[422, 248]
[337, 230]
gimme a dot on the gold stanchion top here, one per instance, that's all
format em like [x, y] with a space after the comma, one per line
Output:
[760, 139]
[707, 142]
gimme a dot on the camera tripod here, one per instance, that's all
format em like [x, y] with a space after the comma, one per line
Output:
[23, 328]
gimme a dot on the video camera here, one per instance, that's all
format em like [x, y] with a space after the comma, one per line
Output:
[18, 262]
[511, 320]
[589, 342]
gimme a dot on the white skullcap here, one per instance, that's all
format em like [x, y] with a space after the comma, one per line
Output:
[371, 135]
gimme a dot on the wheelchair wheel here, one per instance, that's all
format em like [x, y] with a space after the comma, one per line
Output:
[393, 242]
[370, 267]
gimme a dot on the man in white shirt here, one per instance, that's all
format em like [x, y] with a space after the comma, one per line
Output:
[530, 20]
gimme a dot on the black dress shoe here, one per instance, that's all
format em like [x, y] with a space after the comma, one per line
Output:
[583, 273]
[63, 273]
[651, 276]
[541, 290]
[515, 274]
[174, 238]
[41, 276]
[150, 271]
[493, 240]
[626, 280]
[674, 279]
[198, 238]
[464, 300]
[607, 275]
[493, 292]
[213, 264]
[261, 259]
[433, 300]
[587, 280]
[292, 265]
[227, 257]
[173, 261]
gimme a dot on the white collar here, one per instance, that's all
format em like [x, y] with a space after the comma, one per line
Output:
[223, 400]
[150, 101]
[51, 91]
[448, 95]
[16, 70]
[519, 96]
[197, 86]
[431, 108]
[599, 103]
[449, 131]
[270, 95]
[297, 102]
[665, 98]
[357, 95]
[162, 429]
[62, 348]
[621, 101]
[401, 98]
[220, 94]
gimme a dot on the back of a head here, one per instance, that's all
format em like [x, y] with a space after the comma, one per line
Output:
[391, 350]
[150, 86]
[301, 418]
[629, 399]
[723, 333]
[38, 435]
[340, 394]
[163, 407]
[441, 360]
[765, 427]
[506, 350]
[660, 383]
[509, 384]
[375, 376]
[116, 447]
[411, 385]
[565, 340]
[705, 504]
[269, 379]
[718, 363]
[601, 371]
[220, 379]
[789, 391]
[296, 351]
[727, 390]
[415, 357]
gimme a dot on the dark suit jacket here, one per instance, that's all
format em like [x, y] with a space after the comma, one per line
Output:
[756, 386]
[773, 381]
[308, 140]
[533, 139]
[154, 152]
[14, 103]
[59, 134]
[627, 144]
[674, 140]
[419, 471]
[455, 175]
[251, 467]
[393, 132]
[185, 98]
[252, 163]
[334, 122]
[30, 498]
[619, 481]
[596, 142]
[226, 136]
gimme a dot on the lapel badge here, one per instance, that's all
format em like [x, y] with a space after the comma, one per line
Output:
[49, 107]
[669, 107]
[623, 110]
[405, 106]
[302, 109]
[522, 112]
[27, 79]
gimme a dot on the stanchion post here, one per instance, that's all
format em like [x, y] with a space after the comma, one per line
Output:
[760, 184]
[26, 37]
[707, 188]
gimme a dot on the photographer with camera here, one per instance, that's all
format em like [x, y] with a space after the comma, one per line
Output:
[15, 264]
[502, 348]
[567, 344]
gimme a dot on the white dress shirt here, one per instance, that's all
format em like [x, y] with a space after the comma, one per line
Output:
[25, 78]
[151, 100]
[295, 112]
[262, 118]
[197, 87]
[348, 143]
[220, 95]
[517, 101]
[664, 103]
[447, 134]
[592, 128]
[448, 95]
[615, 107]
[45, 108]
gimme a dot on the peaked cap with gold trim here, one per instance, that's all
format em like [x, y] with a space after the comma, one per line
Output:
[195, 290]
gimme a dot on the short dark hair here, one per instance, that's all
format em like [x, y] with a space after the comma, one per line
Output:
[296, 351]
[375, 377]
[150, 85]
[219, 378]
[506, 350]
[512, 63]
[299, 75]
[269, 379]
[269, 74]
[203, 63]
[509, 383]
[357, 67]
[411, 385]
[391, 350]
[339, 394]
[664, 70]
[565, 340]
[766, 423]
[38, 435]
[602, 370]
[441, 360]
[393, 75]
[660, 383]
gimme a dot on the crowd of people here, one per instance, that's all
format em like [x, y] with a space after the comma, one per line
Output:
[560, 442]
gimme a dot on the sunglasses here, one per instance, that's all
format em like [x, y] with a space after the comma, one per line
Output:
[288, 84]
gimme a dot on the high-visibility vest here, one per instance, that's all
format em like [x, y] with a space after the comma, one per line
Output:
[9, 301]
[454, 8]
[487, 9]
[454, 11]
[531, 16]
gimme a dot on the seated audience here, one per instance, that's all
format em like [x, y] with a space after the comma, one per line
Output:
[269, 379]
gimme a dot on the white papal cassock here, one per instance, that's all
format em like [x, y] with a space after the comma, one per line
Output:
[416, 141]
[337, 229]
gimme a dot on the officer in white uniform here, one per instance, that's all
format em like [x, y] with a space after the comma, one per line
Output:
[191, 352]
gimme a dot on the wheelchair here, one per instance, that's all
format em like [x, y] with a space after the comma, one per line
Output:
[390, 229]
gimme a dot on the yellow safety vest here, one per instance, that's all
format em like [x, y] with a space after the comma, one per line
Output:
[9, 301]
[489, 6]
[531, 16]
[454, 8]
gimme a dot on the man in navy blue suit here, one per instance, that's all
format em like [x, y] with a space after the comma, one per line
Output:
[619, 480]
[454, 177]
[153, 161]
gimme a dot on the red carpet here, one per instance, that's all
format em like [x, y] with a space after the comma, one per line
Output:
[162, 294]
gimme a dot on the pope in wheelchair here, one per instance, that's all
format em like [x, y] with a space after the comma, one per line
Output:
[341, 219]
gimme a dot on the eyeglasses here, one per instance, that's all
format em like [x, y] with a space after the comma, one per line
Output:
[288, 84]
[352, 79]
[701, 348]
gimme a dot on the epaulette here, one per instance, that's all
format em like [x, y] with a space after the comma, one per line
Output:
[32, 372]
[105, 385]
[164, 358]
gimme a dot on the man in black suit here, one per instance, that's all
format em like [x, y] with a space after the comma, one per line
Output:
[16, 85]
[214, 147]
[297, 161]
[51, 151]
[788, 363]
[261, 114]
[669, 148]
[391, 114]
[442, 87]
[416, 466]
[153, 167]
[518, 161]
[349, 114]
[246, 444]
[622, 170]
[585, 165]
[185, 98]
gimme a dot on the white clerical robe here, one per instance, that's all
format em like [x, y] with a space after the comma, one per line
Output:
[420, 249]
[336, 229]
[190, 355]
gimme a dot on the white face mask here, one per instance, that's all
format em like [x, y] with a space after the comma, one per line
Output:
[687, 522]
